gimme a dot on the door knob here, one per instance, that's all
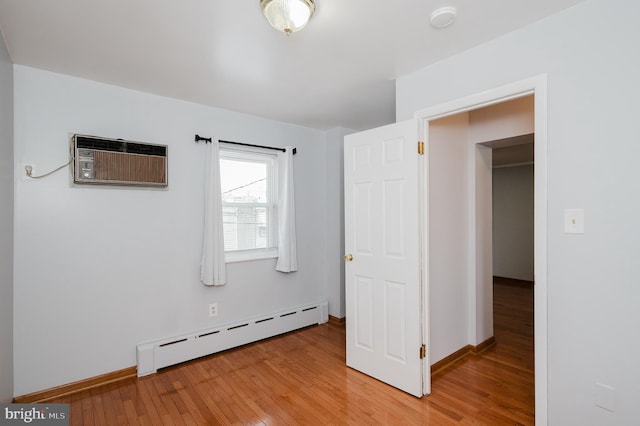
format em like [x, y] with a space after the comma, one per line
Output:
[348, 257]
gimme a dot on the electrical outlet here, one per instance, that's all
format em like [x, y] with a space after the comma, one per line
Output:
[213, 309]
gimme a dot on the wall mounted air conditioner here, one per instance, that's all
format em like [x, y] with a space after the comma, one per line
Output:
[118, 162]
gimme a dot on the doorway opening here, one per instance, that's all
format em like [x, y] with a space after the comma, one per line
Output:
[512, 243]
[479, 262]
[513, 255]
[480, 192]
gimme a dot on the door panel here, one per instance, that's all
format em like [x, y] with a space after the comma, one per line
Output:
[364, 314]
[362, 206]
[393, 204]
[382, 232]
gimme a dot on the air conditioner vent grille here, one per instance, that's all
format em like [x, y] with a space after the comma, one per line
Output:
[116, 166]
[116, 145]
[118, 162]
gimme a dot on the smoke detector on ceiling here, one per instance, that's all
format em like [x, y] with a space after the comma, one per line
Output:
[443, 17]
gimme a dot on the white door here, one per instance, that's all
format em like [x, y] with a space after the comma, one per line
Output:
[384, 299]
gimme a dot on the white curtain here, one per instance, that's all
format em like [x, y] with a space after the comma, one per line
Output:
[212, 266]
[287, 259]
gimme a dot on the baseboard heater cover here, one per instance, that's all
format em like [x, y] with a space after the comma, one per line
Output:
[153, 355]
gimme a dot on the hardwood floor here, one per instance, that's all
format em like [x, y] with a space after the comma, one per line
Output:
[301, 378]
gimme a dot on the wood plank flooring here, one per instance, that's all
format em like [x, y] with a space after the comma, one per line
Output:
[301, 379]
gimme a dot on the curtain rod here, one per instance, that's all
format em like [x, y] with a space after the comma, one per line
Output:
[199, 138]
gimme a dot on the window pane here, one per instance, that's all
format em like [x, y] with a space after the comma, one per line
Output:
[247, 227]
[249, 199]
[243, 181]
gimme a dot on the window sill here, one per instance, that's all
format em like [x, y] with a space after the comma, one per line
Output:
[247, 255]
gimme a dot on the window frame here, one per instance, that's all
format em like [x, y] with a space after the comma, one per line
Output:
[258, 155]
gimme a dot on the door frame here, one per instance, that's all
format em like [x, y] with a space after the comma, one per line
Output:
[536, 85]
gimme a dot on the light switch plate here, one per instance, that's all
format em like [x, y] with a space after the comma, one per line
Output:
[573, 221]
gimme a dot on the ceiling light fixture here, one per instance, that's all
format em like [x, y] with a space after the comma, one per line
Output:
[288, 16]
[443, 17]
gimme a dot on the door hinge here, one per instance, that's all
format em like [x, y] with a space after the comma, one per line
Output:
[420, 148]
[423, 351]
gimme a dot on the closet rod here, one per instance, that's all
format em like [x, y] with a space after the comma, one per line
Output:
[199, 138]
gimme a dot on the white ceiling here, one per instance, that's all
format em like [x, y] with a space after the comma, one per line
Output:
[338, 71]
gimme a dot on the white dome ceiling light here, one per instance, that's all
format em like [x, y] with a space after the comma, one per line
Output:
[443, 17]
[288, 16]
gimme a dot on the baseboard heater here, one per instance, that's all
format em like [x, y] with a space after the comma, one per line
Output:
[153, 355]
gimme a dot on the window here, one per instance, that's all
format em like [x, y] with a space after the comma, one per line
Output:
[249, 204]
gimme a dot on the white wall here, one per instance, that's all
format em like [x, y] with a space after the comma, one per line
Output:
[98, 269]
[6, 224]
[502, 120]
[513, 222]
[590, 55]
[481, 235]
[448, 235]
[335, 220]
